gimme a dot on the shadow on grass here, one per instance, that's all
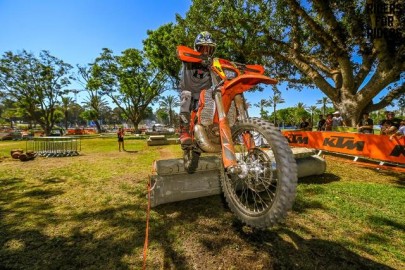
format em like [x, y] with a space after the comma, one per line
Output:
[53, 180]
[211, 223]
[131, 151]
[322, 179]
[284, 248]
[302, 205]
[290, 251]
[382, 221]
[398, 176]
[182, 214]
[32, 232]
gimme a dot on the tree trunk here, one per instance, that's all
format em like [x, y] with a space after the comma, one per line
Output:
[351, 114]
[97, 125]
[136, 123]
[66, 120]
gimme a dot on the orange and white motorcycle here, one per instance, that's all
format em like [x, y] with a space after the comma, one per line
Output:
[259, 172]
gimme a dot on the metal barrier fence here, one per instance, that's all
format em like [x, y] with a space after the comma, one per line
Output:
[55, 146]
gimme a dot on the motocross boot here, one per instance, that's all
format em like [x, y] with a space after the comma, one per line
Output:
[185, 138]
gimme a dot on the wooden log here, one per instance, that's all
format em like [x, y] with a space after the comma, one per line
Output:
[15, 153]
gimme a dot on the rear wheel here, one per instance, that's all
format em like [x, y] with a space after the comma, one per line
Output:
[262, 193]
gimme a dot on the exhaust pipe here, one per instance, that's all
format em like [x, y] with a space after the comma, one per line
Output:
[204, 142]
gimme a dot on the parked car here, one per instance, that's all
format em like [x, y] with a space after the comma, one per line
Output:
[11, 135]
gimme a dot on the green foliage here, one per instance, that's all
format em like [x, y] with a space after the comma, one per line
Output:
[35, 84]
[324, 102]
[320, 44]
[291, 116]
[162, 116]
[167, 104]
[129, 80]
[160, 48]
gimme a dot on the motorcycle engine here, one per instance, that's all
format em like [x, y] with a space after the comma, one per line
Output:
[208, 110]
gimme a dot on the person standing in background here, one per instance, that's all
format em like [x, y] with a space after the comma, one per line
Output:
[120, 135]
[304, 125]
[321, 122]
[365, 125]
[401, 131]
[328, 123]
[337, 120]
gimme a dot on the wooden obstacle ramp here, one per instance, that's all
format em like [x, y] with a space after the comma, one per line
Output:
[170, 182]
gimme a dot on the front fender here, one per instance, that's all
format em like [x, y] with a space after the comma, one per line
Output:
[247, 81]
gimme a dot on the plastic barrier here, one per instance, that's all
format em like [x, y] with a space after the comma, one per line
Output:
[378, 147]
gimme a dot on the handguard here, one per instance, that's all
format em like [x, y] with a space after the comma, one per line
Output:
[187, 54]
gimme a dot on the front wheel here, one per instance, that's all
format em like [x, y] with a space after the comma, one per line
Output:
[262, 193]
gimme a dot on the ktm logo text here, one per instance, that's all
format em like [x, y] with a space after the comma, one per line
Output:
[398, 150]
[344, 142]
[293, 138]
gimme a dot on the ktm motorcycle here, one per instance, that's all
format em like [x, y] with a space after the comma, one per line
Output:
[258, 170]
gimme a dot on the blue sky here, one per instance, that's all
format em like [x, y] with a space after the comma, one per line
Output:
[76, 31]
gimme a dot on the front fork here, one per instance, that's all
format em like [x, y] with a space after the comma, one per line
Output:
[228, 148]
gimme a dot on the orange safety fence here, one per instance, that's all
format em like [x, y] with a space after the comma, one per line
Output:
[80, 131]
[378, 147]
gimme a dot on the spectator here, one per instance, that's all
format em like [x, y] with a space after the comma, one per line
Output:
[328, 122]
[120, 135]
[337, 120]
[401, 131]
[391, 125]
[304, 125]
[383, 123]
[321, 122]
[365, 125]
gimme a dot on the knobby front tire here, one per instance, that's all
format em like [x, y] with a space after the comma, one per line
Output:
[265, 191]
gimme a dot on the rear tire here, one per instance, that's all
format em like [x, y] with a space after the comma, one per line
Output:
[262, 194]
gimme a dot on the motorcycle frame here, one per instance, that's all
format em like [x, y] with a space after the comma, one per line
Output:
[224, 92]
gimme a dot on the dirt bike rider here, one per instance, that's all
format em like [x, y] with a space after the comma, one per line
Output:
[194, 77]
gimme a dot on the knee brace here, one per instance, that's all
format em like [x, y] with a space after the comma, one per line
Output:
[185, 101]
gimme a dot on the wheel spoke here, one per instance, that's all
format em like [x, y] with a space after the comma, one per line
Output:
[260, 190]
[257, 189]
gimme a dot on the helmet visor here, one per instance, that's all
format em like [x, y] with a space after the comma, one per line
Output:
[206, 49]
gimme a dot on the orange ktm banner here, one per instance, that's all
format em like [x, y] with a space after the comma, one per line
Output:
[378, 147]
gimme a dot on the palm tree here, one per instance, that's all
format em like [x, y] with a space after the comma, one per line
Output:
[95, 102]
[262, 104]
[274, 100]
[324, 102]
[300, 106]
[168, 103]
[312, 110]
[67, 104]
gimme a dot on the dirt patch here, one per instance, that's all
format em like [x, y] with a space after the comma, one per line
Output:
[165, 153]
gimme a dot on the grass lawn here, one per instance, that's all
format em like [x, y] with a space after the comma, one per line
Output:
[89, 212]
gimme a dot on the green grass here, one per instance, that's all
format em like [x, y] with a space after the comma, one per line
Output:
[89, 212]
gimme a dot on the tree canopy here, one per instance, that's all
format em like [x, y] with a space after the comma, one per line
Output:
[345, 48]
[129, 80]
[35, 84]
